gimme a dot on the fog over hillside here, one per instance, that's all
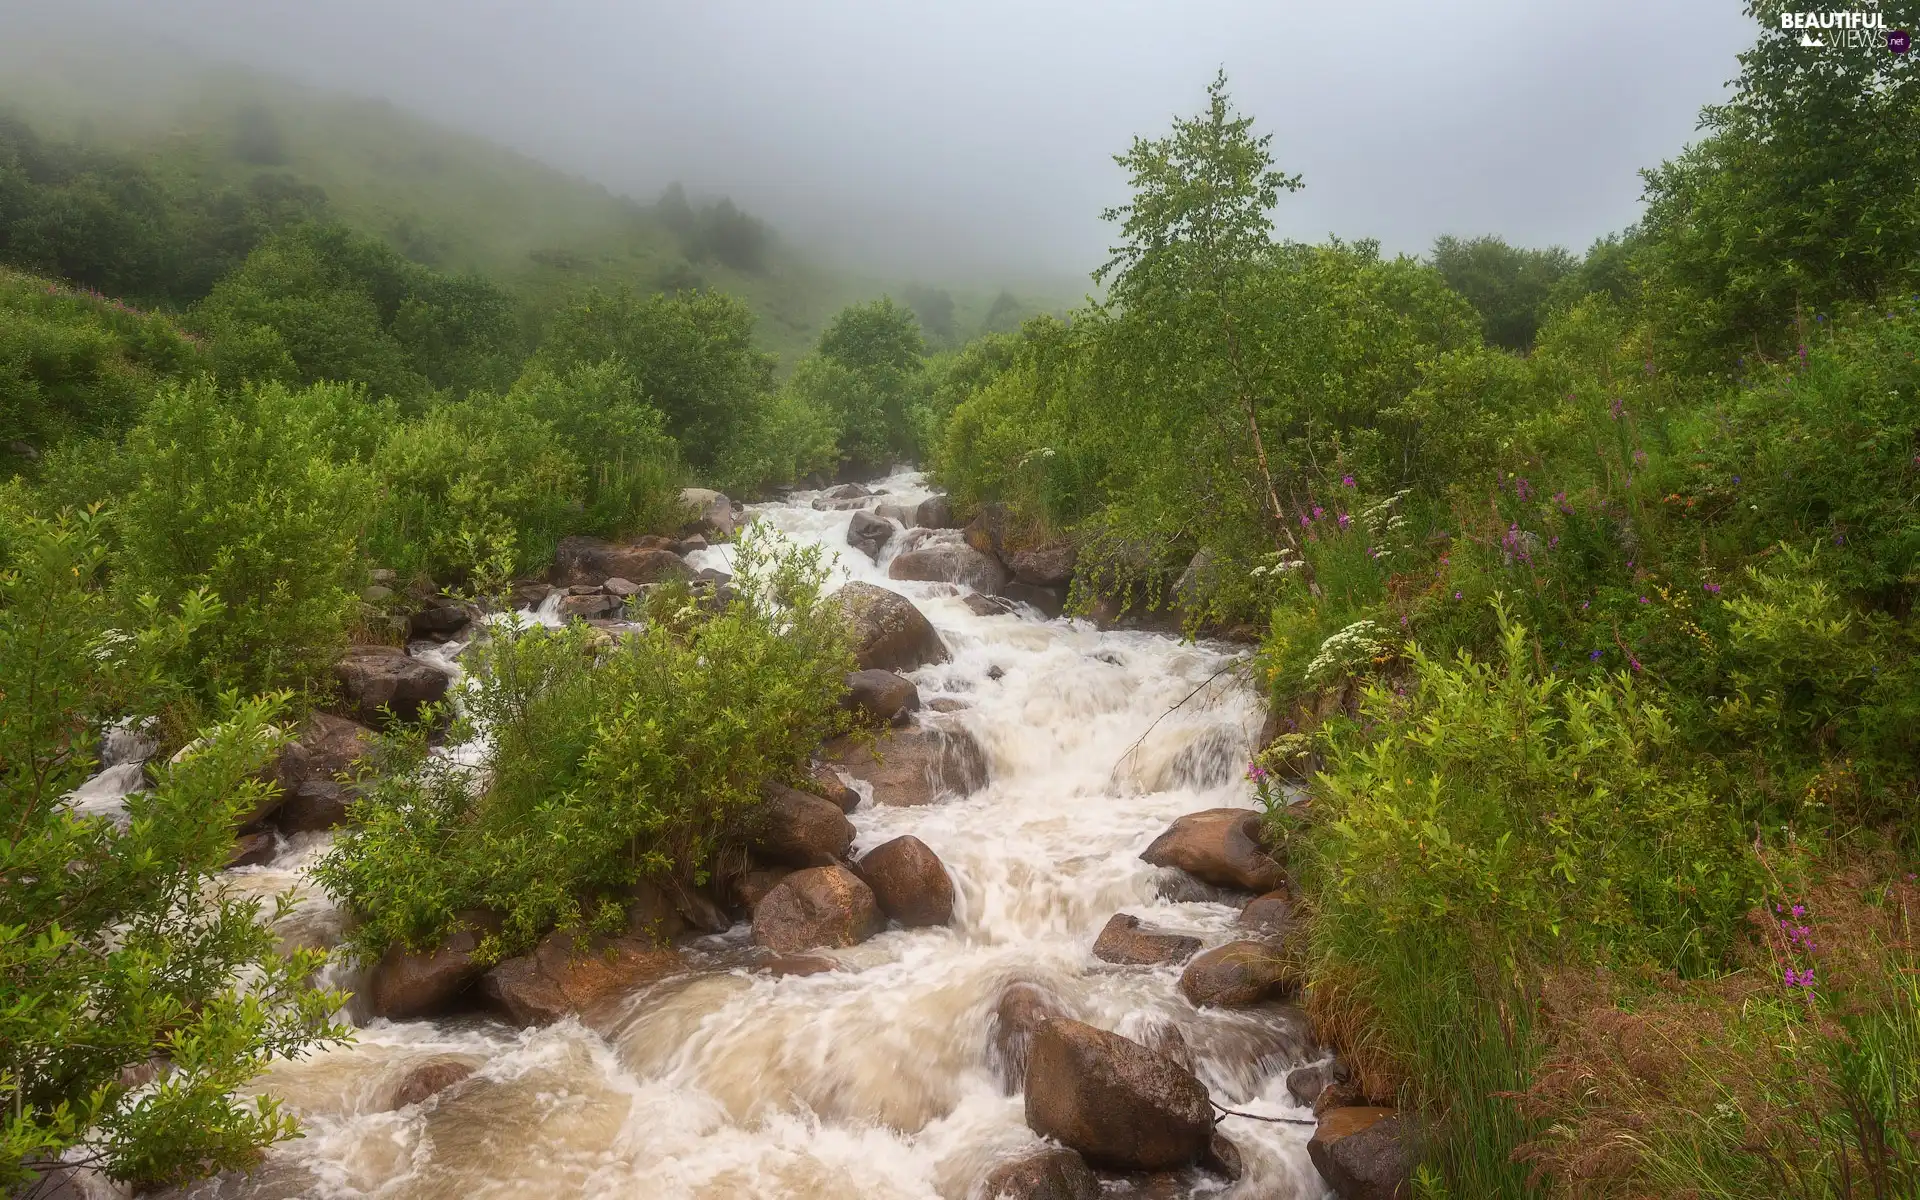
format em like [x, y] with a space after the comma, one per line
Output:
[976, 140]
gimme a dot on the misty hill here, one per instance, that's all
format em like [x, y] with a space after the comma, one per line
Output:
[448, 199]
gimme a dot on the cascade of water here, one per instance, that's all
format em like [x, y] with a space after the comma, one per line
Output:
[877, 1079]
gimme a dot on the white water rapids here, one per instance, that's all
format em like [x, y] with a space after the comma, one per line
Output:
[874, 1080]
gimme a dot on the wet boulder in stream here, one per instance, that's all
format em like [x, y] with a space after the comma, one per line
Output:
[795, 829]
[561, 977]
[935, 512]
[406, 983]
[1236, 975]
[868, 534]
[1052, 1173]
[889, 633]
[1048, 565]
[713, 515]
[1118, 1103]
[882, 696]
[1220, 846]
[592, 561]
[1129, 942]
[949, 562]
[372, 677]
[909, 881]
[1023, 1007]
[916, 765]
[1365, 1153]
[820, 906]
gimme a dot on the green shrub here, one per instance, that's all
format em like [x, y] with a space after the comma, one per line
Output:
[260, 496]
[118, 947]
[600, 414]
[605, 764]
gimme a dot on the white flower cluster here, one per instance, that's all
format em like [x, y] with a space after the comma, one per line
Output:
[1277, 564]
[1351, 648]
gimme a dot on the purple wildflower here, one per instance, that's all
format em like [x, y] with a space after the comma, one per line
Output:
[1346, 481]
[1343, 520]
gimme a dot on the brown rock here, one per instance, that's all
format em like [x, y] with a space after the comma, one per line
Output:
[950, 562]
[909, 881]
[820, 906]
[934, 513]
[1051, 601]
[712, 514]
[373, 677]
[989, 606]
[328, 746]
[560, 977]
[1307, 1084]
[1053, 1173]
[1270, 916]
[251, 850]
[889, 633]
[987, 532]
[882, 697]
[1219, 846]
[1223, 1159]
[1023, 1008]
[782, 965]
[1236, 975]
[1364, 1153]
[422, 1080]
[652, 914]
[313, 806]
[1115, 1101]
[1127, 941]
[750, 889]
[581, 608]
[442, 618]
[869, 533]
[798, 830]
[916, 765]
[1048, 565]
[948, 704]
[594, 561]
[407, 984]
[827, 783]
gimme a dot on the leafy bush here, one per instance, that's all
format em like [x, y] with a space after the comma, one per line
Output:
[1507, 285]
[604, 763]
[260, 496]
[691, 355]
[118, 948]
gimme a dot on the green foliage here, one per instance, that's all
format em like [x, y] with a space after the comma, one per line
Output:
[118, 948]
[259, 496]
[72, 363]
[867, 373]
[1509, 286]
[320, 303]
[1800, 199]
[605, 763]
[691, 355]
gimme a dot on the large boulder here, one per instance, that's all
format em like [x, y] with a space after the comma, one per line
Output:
[406, 984]
[820, 906]
[1129, 942]
[1118, 1103]
[1047, 565]
[561, 977]
[1022, 1009]
[594, 604]
[1051, 601]
[909, 881]
[827, 783]
[1364, 1153]
[882, 696]
[914, 766]
[749, 888]
[313, 805]
[935, 512]
[326, 748]
[712, 515]
[375, 677]
[1219, 846]
[423, 1080]
[889, 633]
[868, 533]
[1051, 1173]
[441, 618]
[1269, 916]
[950, 562]
[987, 532]
[900, 513]
[1236, 975]
[592, 561]
[799, 830]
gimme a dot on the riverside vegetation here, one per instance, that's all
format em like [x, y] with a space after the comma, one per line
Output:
[1582, 590]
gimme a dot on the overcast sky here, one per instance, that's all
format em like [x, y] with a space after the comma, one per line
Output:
[977, 137]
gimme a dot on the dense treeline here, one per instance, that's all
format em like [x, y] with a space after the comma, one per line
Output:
[1585, 596]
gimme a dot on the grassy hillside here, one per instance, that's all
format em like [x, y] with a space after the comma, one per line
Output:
[444, 198]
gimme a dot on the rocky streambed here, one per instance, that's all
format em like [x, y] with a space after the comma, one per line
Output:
[1024, 945]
